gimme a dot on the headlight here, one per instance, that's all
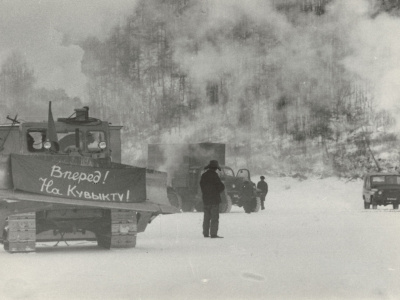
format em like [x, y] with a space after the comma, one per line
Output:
[379, 192]
[47, 145]
[102, 145]
[233, 186]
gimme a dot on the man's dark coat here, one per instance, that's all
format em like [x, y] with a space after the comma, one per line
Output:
[211, 187]
[263, 186]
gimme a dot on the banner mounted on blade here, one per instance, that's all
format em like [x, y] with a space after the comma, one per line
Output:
[38, 175]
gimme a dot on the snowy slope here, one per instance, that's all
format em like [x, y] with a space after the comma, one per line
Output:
[313, 241]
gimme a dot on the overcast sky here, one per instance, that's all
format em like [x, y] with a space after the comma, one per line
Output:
[36, 28]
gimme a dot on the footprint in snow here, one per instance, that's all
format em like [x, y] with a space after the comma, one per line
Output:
[252, 276]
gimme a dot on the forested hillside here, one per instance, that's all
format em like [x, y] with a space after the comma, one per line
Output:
[289, 85]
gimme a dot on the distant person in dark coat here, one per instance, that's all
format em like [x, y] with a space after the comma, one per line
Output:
[263, 186]
[211, 187]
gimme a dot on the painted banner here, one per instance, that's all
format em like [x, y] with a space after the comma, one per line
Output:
[119, 183]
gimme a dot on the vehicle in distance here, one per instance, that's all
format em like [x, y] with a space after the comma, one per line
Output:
[185, 163]
[381, 189]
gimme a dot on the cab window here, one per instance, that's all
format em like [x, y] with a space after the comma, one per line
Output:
[35, 140]
[382, 179]
[227, 171]
[378, 179]
[243, 173]
[93, 140]
[67, 140]
[392, 179]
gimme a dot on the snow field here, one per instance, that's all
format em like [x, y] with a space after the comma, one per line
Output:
[313, 241]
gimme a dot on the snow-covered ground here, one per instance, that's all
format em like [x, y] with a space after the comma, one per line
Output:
[313, 241]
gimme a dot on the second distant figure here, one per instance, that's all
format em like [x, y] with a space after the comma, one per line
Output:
[211, 188]
[263, 186]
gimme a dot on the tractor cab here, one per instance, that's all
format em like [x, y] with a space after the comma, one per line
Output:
[80, 135]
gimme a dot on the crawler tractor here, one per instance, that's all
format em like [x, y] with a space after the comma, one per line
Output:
[63, 180]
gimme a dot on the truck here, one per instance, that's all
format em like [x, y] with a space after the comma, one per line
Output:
[63, 180]
[381, 188]
[184, 164]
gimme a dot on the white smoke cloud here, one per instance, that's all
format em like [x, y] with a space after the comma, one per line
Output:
[370, 42]
[37, 28]
[374, 49]
[222, 56]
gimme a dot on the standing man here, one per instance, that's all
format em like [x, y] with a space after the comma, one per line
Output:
[263, 186]
[211, 187]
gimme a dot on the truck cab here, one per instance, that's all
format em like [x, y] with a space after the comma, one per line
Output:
[185, 163]
[240, 189]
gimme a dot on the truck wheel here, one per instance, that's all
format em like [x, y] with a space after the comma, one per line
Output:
[187, 206]
[248, 206]
[374, 205]
[395, 206]
[4, 235]
[174, 199]
[252, 205]
[5, 239]
[226, 204]
[257, 204]
[367, 205]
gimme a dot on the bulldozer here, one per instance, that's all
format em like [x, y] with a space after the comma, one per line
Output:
[185, 163]
[63, 180]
